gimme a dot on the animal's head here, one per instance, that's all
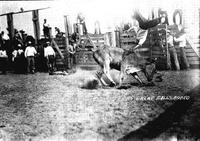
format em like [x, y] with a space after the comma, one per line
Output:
[150, 69]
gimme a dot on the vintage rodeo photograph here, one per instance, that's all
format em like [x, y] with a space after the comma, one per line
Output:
[100, 70]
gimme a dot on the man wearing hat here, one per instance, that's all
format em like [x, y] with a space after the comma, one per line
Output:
[49, 54]
[30, 53]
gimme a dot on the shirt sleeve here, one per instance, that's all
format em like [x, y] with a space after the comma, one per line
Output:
[53, 52]
[35, 51]
[45, 52]
[25, 53]
[180, 38]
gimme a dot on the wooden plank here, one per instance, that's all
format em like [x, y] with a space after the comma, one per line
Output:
[127, 34]
[157, 48]
[191, 54]
[158, 52]
[189, 50]
[97, 38]
[57, 49]
[193, 58]
[158, 55]
[59, 63]
[144, 49]
[193, 62]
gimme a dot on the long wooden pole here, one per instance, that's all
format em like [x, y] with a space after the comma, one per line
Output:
[67, 59]
[10, 25]
[36, 25]
[66, 31]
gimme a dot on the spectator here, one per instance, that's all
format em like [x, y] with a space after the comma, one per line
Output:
[46, 29]
[72, 56]
[180, 37]
[3, 60]
[59, 34]
[30, 53]
[19, 59]
[173, 57]
[4, 36]
[49, 54]
[81, 20]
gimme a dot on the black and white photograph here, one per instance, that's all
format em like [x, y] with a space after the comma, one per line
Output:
[99, 70]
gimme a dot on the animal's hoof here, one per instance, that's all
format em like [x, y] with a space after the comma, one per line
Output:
[158, 79]
[142, 85]
[118, 87]
[112, 85]
[150, 83]
[123, 87]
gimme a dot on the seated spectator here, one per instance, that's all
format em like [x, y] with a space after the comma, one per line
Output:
[59, 34]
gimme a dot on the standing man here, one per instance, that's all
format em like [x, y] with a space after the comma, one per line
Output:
[180, 38]
[72, 56]
[46, 29]
[30, 53]
[173, 57]
[49, 54]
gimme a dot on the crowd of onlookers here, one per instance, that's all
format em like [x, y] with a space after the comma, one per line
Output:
[22, 55]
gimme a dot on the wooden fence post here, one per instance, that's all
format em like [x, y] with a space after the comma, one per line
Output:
[66, 58]
[117, 38]
[36, 25]
[10, 25]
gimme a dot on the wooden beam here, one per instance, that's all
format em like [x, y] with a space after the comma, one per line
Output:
[36, 25]
[10, 25]
[57, 48]
[23, 11]
[66, 31]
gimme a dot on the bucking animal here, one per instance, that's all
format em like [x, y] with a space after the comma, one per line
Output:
[117, 58]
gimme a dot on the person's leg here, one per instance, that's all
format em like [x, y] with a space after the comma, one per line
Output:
[169, 63]
[184, 59]
[144, 23]
[51, 61]
[28, 64]
[175, 58]
[74, 63]
[4, 65]
[33, 68]
[135, 75]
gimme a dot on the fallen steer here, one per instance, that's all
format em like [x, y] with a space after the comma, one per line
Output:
[127, 63]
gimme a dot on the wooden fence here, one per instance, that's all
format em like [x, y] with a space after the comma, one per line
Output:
[84, 55]
[156, 46]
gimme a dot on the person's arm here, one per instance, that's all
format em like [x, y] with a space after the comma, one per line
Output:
[35, 52]
[141, 36]
[45, 52]
[25, 53]
[54, 54]
[180, 38]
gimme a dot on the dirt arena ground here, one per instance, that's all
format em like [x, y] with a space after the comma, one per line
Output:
[40, 107]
